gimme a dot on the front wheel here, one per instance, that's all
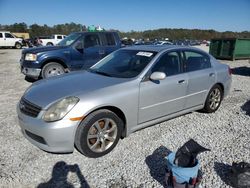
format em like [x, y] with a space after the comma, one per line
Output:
[98, 133]
[18, 45]
[214, 99]
[52, 69]
[49, 44]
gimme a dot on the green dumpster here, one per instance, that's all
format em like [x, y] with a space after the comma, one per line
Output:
[230, 48]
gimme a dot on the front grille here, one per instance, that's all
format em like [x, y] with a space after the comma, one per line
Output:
[35, 137]
[29, 108]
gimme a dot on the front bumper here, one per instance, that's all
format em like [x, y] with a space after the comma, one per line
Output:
[31, 72]
[56, 137]
[30, 68]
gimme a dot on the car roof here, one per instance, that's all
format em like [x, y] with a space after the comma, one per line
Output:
[159, 48]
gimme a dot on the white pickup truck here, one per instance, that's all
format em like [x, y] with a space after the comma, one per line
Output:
[8, 39]
[53, 40]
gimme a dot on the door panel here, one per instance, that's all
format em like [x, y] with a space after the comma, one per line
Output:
[9, 40]
[162, 98]
[199, 82]
[86, 52]
[2, 39]
[93, 50]
[201, 77]
[92, 55]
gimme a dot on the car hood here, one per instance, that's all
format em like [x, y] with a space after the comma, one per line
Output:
[43, 49]
[45, 92]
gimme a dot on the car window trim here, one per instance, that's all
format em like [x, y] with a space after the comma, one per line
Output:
[105, 41]
[149, 72]
[185, 59]
[99, 36]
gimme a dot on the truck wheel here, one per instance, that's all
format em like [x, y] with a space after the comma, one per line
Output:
[49, 44]
[18, 45]
[98, 133]
[52, 69]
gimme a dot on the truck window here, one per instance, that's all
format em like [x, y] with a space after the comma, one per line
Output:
[91, 40]
[110, 39]
[8, 35]
[1, 35]
[59, 37]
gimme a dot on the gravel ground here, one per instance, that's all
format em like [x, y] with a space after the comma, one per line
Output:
[138, 160]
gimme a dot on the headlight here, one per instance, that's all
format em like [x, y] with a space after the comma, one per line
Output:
[59, 109]
[30, 57]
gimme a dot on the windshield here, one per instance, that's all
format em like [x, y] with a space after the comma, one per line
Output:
[123, 63]
[69, 39]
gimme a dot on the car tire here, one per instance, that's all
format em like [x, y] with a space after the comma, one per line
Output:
[18, 45]
[49, 44]
[98, 133]
[213, 99]
[52, 69]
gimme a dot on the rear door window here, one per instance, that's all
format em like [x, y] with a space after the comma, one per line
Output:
[110, 39]
[91, 40]
[1, 35]
[59, 37]
[196, 61]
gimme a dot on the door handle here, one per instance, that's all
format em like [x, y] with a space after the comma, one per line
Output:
[211, 74]
[181, 81]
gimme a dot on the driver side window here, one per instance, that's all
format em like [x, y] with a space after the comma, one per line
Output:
[7, 35]
[168, 63]
[91, 40]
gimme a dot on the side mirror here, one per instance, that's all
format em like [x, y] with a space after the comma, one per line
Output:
[157, 76]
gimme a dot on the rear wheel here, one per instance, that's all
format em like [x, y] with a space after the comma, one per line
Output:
[214, 99]
[18, 45]
[98, 133]
[52, 69]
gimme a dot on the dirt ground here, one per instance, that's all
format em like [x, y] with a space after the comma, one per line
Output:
[137, 161]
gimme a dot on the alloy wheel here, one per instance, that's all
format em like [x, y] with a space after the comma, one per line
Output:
[214, 99]
[101, 135]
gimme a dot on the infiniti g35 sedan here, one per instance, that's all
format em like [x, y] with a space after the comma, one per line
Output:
[128, 90]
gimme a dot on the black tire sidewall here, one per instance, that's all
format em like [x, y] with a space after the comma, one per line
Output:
[207, 106]
[18, 45]
[46, 66]
[49, 44]
[83, 128]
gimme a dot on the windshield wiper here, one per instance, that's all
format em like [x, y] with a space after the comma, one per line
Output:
[100, 72]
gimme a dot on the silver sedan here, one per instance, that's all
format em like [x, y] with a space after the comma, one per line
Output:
[128, 90]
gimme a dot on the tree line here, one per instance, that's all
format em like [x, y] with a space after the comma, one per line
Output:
[175, 34]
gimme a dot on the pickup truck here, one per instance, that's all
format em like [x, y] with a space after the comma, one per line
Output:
[8, 39]
[77, 51]
[52, 40]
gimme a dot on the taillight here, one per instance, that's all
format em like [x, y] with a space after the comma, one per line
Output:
[229, 71]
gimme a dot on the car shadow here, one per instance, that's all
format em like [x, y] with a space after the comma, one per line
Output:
[223, 171]
[242, 71]
[59, 176]
[246, 107]
[157, 164]
[28, 79]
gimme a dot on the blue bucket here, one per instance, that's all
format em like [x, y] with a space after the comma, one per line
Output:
[182, 174]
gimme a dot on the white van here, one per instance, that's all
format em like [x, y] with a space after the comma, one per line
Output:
[7, 39]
